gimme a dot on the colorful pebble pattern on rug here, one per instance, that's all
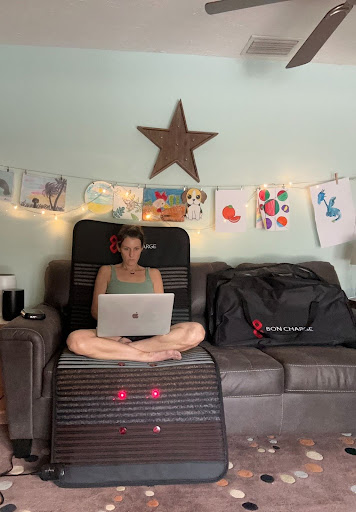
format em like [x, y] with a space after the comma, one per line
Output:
[262, 470]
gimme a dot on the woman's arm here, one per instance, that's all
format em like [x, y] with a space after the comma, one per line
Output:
[101, 283]
[156, 279]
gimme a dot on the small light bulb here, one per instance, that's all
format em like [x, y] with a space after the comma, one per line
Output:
[155, 393]
[290, 183]
[122, 394]
[55, 218]
[225, 220]
[198, 232]
[83, 209]
[15, 207]
[246, 205]
[148, 216]
[317, 186]
[126, 194]
[265, 185]
[43, 212]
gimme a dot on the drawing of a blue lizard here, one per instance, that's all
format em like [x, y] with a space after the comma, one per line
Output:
[330, 210]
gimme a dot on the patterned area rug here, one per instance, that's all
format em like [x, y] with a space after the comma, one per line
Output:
[269, 474]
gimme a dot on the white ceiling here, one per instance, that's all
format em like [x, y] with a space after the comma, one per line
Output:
[169, 26]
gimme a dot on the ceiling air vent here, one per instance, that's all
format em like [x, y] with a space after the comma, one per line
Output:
[269, 46]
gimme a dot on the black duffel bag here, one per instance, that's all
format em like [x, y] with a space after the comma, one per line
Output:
[283, 304]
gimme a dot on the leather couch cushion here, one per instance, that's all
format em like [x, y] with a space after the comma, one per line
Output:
[57, 283]
[247, 371]
[199, 272]
[317, 369]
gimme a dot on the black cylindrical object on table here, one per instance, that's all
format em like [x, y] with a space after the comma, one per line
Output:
[12, 303]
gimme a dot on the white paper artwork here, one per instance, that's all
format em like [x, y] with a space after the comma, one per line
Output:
[230, 211]
[274, 207]
[128, 203]
[334, 212]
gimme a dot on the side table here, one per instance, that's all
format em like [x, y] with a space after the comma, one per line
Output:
[2, 400]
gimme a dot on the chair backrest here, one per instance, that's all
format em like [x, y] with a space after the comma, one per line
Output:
[94, 245]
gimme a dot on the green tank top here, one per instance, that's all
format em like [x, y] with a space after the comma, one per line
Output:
[116, 286]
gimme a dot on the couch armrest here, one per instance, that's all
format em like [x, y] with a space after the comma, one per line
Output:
[25, 348]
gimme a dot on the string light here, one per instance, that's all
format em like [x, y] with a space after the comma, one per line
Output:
[84, 207]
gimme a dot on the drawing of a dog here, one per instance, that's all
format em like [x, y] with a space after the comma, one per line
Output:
[193, 197]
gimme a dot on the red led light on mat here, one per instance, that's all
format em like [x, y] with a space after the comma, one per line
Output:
[122, 394]
[155, 393]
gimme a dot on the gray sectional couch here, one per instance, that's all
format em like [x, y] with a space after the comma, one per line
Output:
[271, 391]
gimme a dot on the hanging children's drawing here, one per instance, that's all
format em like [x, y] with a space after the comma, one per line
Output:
[99, 197]
[194, 199]
[163, 204]
[230, 211]
[43, 192]
[6, 185]
[334, 212]
[128, 203]
[274, 208]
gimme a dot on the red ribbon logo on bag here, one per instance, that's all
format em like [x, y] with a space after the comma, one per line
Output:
[258, 328]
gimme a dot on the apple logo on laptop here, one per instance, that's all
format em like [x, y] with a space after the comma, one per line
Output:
[135, 315]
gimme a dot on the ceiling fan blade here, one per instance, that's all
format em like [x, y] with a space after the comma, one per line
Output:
[233, 5]
[320, 34]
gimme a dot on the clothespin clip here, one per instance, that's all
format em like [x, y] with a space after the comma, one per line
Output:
[8, 170]
[25, 172]
[336, 178]
[217, 188]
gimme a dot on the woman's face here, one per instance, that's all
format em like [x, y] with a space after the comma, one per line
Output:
[130, 249]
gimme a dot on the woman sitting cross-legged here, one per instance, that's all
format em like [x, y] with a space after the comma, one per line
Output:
[130, 277]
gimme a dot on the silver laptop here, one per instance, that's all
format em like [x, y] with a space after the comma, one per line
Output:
[140, 314]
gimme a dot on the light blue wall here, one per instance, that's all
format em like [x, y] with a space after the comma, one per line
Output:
[76, 111]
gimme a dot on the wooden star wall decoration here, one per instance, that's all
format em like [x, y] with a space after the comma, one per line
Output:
[176, 144]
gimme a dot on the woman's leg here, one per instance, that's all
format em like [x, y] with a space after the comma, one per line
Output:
[85, 343]
[181, 337]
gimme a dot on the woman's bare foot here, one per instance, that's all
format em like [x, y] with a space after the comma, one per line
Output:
[125, 340]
